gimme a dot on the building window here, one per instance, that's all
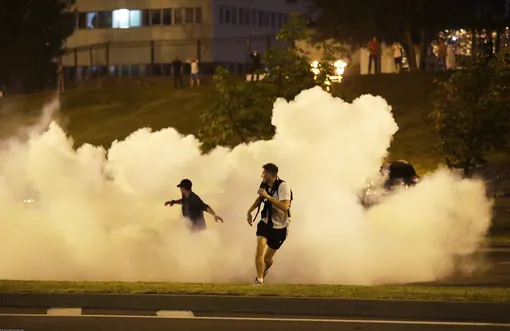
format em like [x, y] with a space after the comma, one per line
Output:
[167, 16]
[146, 17]
[273, 20]
[189, 14]
[156, 17]
[228, 15]
[104, 20]
[242, 18]
[135, 18]
[280, 21]
[254, 18]
[267, 19]
[261, 19]
[198, 15]
[91, 20]
[178, 16]
[234, 16]
[82, 20]
[125, 18]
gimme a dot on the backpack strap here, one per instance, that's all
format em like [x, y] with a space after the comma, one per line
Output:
[267, 210]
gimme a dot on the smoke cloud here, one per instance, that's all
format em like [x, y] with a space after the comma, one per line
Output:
[99, 214]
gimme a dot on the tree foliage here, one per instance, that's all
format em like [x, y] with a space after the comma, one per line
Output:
[32, 33]
[242, 110]
[411, 22]
[472, 113]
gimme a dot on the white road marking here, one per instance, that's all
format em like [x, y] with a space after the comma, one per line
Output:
[175, 313]
[64, 312]
[283, 319]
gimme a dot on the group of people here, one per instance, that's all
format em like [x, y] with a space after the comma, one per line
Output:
[374, 55]
[272, 229]
[178, 68]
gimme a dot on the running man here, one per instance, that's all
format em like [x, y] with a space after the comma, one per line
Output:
[275, 218]
[193, 207]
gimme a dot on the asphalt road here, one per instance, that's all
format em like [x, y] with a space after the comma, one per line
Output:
[131, 323]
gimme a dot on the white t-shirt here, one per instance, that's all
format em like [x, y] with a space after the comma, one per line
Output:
[397, 50]
[279, 217]
[194, 67]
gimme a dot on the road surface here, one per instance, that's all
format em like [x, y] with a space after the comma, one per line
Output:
[150, 323]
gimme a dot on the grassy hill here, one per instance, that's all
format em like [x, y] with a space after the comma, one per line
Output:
[98, 112]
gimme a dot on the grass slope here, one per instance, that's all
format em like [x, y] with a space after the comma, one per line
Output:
[430, 293]
[101, 112]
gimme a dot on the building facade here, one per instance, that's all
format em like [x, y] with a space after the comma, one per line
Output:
[140, 37]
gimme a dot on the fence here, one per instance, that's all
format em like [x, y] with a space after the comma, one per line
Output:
[154, 57]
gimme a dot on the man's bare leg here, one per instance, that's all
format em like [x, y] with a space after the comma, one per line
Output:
[268, 259]
[259, 256]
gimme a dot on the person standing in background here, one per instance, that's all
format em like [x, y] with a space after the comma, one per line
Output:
[397, 56]
[194, 79]
[177, 66]
[374, 51]
[441, 53]
[256, 63]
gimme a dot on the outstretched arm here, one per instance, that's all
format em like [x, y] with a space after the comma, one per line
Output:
[211, 212]
[173, 202]
[199, 204]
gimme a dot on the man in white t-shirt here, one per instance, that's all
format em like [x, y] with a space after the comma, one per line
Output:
[194, 72]
[397, 56]
[275, 218]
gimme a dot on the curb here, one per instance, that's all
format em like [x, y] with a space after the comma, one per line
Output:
[150, 304]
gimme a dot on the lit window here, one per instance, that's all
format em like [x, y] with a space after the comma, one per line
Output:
[121, 18]
[125, 18]
[91, 20]
[135, 18]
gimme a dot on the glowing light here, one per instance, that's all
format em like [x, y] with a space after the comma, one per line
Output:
[125, 18]
[121, 18]
[339, 70]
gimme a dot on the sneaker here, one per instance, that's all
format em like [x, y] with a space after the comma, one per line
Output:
[258, 282]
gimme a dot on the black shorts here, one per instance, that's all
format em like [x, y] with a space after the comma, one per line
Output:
[275, 237]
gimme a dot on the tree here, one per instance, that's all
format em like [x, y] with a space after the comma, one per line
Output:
[472, 113]
[31, 34]
[242, 110]
[411, 22]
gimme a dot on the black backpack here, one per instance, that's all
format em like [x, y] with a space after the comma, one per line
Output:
[266, 211]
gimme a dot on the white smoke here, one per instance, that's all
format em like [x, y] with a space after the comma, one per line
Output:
[99, 214]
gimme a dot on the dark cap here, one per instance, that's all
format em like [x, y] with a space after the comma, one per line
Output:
[185, 184]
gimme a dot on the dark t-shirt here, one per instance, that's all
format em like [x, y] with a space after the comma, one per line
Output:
[177, 66]
[193, 208]
[256, 61]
